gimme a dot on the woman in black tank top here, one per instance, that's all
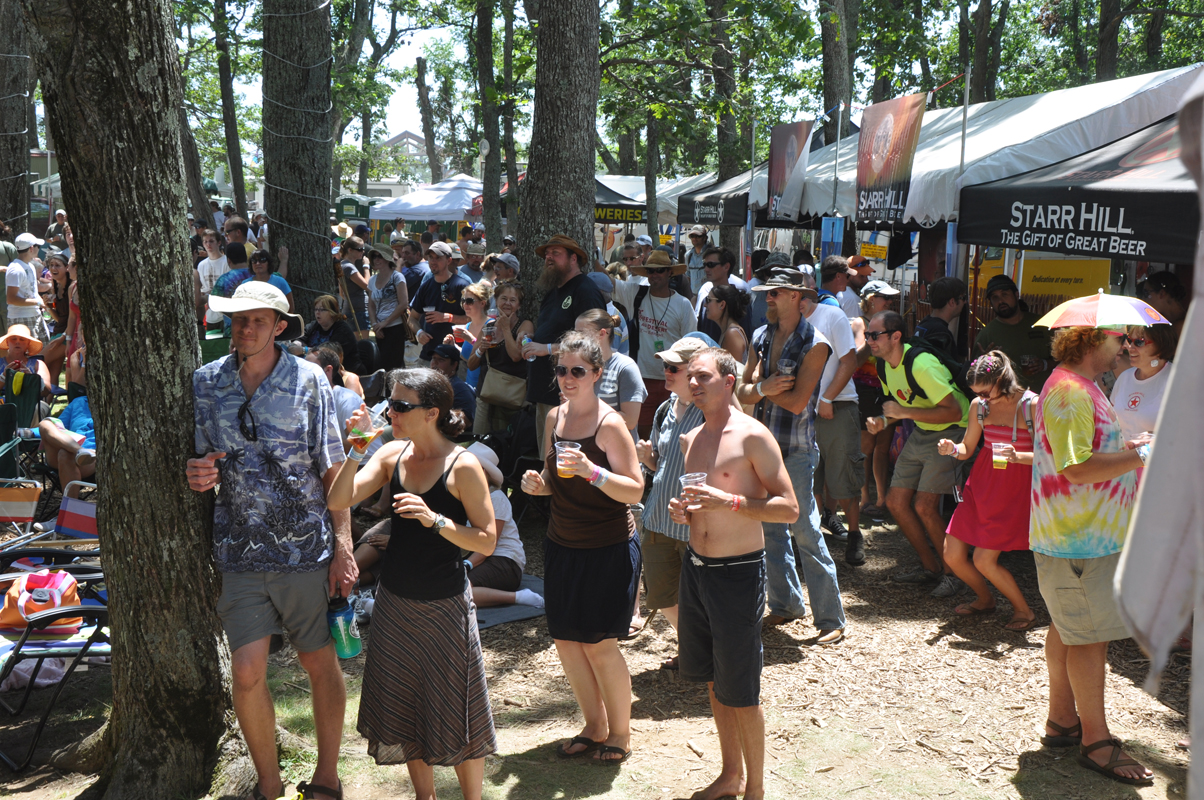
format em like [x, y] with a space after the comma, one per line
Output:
[424, 699]
[591, 554]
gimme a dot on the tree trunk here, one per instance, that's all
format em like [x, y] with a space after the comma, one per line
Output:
[981, 22]
[14, 148]
[996, 42]
[558, 196]
[491, 173]
[926, 82]
[652, 164]
[355, 23]
[1153, 40]
[628, 141]
[361, 185]
[512, 209]
[1107, 50]
[965, 35]
[428, 122]
[880, 89]
[608, 158]
[727, 139]
[297, 164]
[1079, 51]
[112, 89]
[192, 173]
[221, 32]
[834, 41]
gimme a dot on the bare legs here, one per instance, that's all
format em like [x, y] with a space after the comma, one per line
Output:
[602, 685]
[741, 744]
[876, 449]
[61, 451]
[485, 597]
[985, 567]
[1076, 684]
[470, 774]
[924, 527]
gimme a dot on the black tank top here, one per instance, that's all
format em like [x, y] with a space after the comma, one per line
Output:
[419, 563]
[583, 516]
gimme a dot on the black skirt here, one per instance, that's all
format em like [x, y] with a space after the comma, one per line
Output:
[589, 592]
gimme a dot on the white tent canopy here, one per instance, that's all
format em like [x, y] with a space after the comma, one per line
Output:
[1004, 138]
[667, 191]
[451, 198]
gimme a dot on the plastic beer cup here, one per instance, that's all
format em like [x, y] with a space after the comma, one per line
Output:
[376, 426]
[999, 458]
[787, 366]
[561, 449]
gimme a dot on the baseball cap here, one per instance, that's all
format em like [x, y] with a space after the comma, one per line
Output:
[644, 240]
[24, 241]
[682, 350]
[697, 230]
[878, 287]
[442, 248]
[508, 260]
[448, 351]
[455, 250]
[602, 281]
[431, 222]
[859, 265]
[361, 229]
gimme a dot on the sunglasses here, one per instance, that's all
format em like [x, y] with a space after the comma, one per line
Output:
[259, 260]
[658, 270]
[672, 369]
[577, 372]
[776, 292]
[987, 395]
[1138, 342]
[402, 407]
[710, 264]
[1124, 337]
[467, 301]
[631, 258]
[709, 300]
[873, 335]
[244, 412]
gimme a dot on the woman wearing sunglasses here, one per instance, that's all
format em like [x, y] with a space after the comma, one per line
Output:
[1138, 392]
[424, 696]
[994, 512]
[620, 385]
[475, 300]
[263, 268]
[591, 554]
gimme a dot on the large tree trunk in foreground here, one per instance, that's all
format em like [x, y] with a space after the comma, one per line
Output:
[221, 30]
[491, 174]
[14, 148]
[111, 83]
[558, 192]
[296, 143]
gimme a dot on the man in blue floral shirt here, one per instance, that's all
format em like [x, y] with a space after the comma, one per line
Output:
[266, 429]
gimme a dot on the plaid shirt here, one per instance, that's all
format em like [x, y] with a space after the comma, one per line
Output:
[792, 431]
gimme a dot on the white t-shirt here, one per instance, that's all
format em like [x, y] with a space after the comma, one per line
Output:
[209, 270]
[832, 323]
[219, 219]
[850, 301]
[508, 542]
[705, 290]
[1137, 402]
[397, 233]
[662, 321]
[22, 276]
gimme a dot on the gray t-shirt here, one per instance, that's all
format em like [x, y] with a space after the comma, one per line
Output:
[355, 295]
[620, 382]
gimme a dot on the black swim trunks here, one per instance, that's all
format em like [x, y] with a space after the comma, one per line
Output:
[720, 605]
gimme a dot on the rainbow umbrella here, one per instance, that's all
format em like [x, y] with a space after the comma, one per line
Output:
[1102, 311]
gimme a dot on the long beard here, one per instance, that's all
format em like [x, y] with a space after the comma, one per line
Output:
[550, 279]
[771, 315]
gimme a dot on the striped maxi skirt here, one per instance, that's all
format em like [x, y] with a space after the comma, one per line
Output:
[424, 694]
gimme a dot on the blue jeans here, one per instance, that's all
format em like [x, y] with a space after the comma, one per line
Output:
[785, 593]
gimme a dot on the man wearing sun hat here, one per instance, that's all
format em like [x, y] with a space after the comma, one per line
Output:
[21, 282]
[266, 430]
[659, 317]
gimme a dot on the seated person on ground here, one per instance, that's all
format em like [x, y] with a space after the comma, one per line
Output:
[446, 359]
[495, 579]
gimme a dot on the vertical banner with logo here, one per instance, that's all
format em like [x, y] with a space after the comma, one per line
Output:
[832, 241]
[789, 148]
[887, 147]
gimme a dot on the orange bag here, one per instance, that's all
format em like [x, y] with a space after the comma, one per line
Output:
[40, 591]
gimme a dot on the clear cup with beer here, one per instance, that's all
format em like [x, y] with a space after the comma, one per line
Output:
[563, 466]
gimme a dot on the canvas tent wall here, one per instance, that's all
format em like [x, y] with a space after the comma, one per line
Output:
[1132, 198]
[668, 190]
[1004, 138]
[448, 199]
[726, 203]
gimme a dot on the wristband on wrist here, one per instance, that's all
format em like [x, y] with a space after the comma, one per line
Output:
[737, 502]
[823, 399]
[599, 478]
[357, 455]
[757, 387]
[884, 421]
[1143, 452]
[549, 348]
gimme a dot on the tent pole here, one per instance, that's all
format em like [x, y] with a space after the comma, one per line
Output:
[836, 161]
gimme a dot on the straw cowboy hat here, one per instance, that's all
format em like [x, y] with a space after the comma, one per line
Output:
[658, 259]
[253, 295]
[568, 243]
[33, 345]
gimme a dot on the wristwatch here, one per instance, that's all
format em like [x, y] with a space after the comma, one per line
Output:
[440, 522]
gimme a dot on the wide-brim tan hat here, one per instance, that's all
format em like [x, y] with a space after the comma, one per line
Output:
[656, 260]
[489, 462]
[252, 295]
[682, 350]
[568, 243]
[33, 345]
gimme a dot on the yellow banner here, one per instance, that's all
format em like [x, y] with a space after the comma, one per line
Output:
[1069, 276]
[873, 250]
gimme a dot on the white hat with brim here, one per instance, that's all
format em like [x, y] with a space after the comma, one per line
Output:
[253, 295]
[489, 462]
[24, 241]
[878, 287]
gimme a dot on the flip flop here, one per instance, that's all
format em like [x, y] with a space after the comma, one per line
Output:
[1027, 625]
[670, 663]
[310, 791]
[1067, 737]
[609, 749]
[971, 611]
[1108, 770]
[562, 751]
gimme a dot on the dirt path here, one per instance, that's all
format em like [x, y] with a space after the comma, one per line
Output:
[915, 703]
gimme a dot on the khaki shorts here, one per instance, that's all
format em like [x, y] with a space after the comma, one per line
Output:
[662, 568]
[841, 462]
[255, 605]
[921, 468]
[1078, 594]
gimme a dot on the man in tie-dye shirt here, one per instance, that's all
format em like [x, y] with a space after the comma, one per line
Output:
[1084, 488]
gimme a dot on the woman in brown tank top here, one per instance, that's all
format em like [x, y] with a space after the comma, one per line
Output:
[591, 554]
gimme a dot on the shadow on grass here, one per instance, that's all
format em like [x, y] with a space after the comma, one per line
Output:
[538, 772]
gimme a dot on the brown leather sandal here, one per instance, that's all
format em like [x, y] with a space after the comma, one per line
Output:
[1108, 770]
[1068, 737]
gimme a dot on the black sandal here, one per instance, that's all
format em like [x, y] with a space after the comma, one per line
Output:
[610, 749]
[1067, 737]
[310, 791]
[562, 751]
[1108, 770]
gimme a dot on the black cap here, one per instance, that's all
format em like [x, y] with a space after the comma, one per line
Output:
[448, 351]
[431, 222]
[1001, 282]
[362, 228]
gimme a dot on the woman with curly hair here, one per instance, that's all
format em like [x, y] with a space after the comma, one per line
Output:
[993, 514]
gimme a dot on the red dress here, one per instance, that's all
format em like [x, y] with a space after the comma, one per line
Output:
[994, 510]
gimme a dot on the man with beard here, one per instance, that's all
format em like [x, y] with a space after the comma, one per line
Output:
[569, 295]
[1012, 332]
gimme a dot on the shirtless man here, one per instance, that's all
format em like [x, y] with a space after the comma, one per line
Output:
[722, 596]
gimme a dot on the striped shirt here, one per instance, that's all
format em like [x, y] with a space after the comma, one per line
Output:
[792, 431]
[670, 465]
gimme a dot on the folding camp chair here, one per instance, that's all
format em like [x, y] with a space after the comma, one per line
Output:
[33, 643]
[18, 504]
[76, 521]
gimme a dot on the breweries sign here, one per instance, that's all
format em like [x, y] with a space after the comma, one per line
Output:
[889, 133]
[789, 146]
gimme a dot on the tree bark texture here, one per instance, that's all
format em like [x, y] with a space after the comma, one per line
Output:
[351, 33]
[1107, 49]
[652, 165]
[192, 173]
[297, 142]
[14, 123]
[112, 88]
[361, 185]
[988, 37]
[1153, 40]
[608, 158]
[834, 39]
[558, 196]
[727, 138]
[513, 209]
[428, 122]
[491, 173]
[225, 76]
[628, 141]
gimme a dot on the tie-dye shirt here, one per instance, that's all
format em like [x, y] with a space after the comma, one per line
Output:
[1075, 420]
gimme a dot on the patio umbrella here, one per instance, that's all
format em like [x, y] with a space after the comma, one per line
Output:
[1102, 311]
